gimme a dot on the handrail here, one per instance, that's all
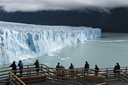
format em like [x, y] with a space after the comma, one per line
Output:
[74, 68]
[49, 70]
[123, 77]
[123, 72]
[16, 78]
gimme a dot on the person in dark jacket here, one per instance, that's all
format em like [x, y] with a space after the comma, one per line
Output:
[97, 69]
[71, 67]
[115, 68]
[37, 66]
[13, 65]
[58, 67]
[72, 72]
[21, 66]
[118, 68]
[86, 66]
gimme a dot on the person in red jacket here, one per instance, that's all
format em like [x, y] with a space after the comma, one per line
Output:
[21, 67]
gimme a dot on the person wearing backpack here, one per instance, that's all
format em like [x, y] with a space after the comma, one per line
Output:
[21, 67]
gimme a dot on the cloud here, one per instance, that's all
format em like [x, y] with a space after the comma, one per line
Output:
[37, 5]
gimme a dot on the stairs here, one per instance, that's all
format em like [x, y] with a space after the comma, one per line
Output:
[34, 79]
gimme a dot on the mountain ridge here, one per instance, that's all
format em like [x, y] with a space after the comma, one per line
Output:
[115, 21]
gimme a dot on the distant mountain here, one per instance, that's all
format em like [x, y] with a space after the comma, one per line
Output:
[115, 21]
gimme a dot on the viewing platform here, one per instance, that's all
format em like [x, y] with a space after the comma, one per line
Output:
[51, 76]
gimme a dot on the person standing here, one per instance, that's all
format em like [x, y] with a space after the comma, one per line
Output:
[57, 69]
[118, 68]
[37, 66]
[62, 67]
[13, 65]
[115, 68]
[58, 66]
[71, 66]
[72, 72]
[21, 67]
[96, 70]
[86, 66]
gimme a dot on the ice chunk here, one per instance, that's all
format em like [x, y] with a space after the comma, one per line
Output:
[22, 41]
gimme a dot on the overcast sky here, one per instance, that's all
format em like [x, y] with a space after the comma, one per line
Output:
[36, 5]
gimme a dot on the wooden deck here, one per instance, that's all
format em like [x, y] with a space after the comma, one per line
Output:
[77, 77]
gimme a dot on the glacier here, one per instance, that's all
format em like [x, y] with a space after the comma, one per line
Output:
[20, 41]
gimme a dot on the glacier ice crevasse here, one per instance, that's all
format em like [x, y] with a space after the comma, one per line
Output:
[22, 41]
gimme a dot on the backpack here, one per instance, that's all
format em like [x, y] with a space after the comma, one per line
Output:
[21, 65]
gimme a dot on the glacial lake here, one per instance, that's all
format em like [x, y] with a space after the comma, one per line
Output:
[105, 52]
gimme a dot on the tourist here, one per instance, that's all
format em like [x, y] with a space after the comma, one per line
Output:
[37, 66]
[62, 67]
[118, 68]
[13, 65]
[21, 67]
[96, 70]
[115, 68]
[86, 66]
[58, 67]
[71, 67]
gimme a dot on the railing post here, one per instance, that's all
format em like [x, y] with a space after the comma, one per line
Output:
[126, 70]
[41, 69]
[48, 74]
[92, 82]
[27, 70]
[15, 80]
[75, 78]
[29, 76]
[119, 75]
[9, 78]
[106, 75]
[82, 73]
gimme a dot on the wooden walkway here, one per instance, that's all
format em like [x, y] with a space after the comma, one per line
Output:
[77, 76]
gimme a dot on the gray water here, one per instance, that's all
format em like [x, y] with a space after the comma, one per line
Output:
[105, 52]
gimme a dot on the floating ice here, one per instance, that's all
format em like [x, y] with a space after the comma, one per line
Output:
[22, 41]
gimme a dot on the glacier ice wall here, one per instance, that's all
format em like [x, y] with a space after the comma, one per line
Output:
[23, 41]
